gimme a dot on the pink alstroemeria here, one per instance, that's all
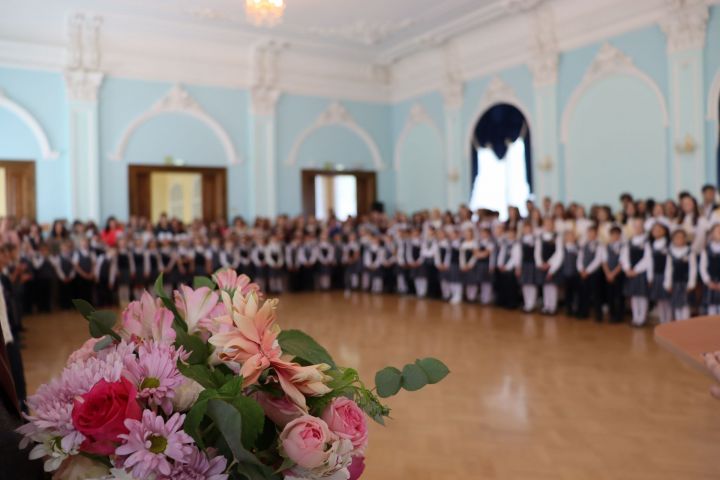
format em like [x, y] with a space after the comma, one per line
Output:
[227, 279]
[195, 305]
[252, 342]
[147, 319]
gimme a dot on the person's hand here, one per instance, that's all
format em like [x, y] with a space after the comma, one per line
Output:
[712, 362]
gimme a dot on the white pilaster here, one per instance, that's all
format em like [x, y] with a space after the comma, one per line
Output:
[685, 26]
[453, 91]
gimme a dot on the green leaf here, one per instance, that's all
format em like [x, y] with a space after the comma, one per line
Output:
[434, 369]
[158, 287]
[303, 346]
[199, 282]
[413, 377]
[178, 322]
[83, 307]
[200, 373]
[102, 323]
[229, 421]
[388, 381]
[343, 377]
[253, 418]
[194, 417]
[199, 350]
[232, 388]
[257, 472]
[106, 341]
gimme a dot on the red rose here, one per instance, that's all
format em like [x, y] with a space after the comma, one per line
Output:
[100, 415]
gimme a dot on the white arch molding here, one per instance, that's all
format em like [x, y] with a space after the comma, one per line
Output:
[498, 92]
[417, 116]
[31, 122]
[178, 100]
[336, 115]
[609, 61]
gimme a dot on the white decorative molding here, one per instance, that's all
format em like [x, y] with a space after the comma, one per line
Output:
[82, 73]
[363, 32]
[609, 61]
[685, 25]
[83, 85]
[417, 116]
[453, 86]
[544, 58]
[32, 123]
[336, 115]
[713, 99]
[263, 100]
[517, 6]
[264, 92]
[497, 92]
[179, 101]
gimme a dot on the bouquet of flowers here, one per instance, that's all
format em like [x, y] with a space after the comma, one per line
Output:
[205, 385]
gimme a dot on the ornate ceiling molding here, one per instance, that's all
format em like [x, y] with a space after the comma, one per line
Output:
[178, 101]
[264, 91]
[609, 61]
[685, 25]
[82, 73]
[336, 115]
[417, 116]
[544, 58]
[32, 123]
[363, 32]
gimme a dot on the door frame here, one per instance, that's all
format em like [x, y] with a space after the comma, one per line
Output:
[27, 169]
[213, 185]
[366, 188]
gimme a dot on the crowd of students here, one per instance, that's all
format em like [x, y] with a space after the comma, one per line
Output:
[649, 254]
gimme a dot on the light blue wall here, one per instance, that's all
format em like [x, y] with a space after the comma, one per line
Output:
[421, 166]
[43, 95]
[712, 69]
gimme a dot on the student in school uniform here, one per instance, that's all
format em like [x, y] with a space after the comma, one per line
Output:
[325, 258]
[138, 253]
[548, 260]
[307, 259]
[152, 264]
[589, 263]
[442, 263]
[710, 270]
[659, 249]
[228, 255]
[401, 269]
[292, 261]
[169, 259]
[469, 274]
[245, 266]
[105, 275]
[613, 274]
[453, 278]
[258, 257]
[372, 263]
[212, 256]
[65, 271]
[680, 274]
[338, 269]
[527, 267]
[276, 264]
[570, 273]
[429, 274]
[185, 259]
[83, 261]
[198, 254]
[485, 265]
[388, 263]
[125, 262]
[636, 259]
[352, 263]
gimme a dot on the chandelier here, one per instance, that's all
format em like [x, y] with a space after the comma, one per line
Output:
[264, 13]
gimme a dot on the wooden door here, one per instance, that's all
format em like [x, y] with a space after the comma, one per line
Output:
[213, 186]
[20, 188]
[366, 189]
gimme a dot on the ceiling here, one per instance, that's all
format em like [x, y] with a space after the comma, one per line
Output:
[381, 30]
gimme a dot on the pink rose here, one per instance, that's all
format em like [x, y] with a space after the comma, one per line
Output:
[345, 419]
[278, 409]
[305, 440]
[357, 467]
[100, 415]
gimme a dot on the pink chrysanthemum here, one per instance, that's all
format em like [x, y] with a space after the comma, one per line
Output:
[151, 443]
[199, 467]
[154, 372]
[52, 405]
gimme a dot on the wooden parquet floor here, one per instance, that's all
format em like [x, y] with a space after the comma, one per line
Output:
[529, 397]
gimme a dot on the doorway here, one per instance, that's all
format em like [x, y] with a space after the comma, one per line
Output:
[17, 189]
[187, 193]
[344, 193]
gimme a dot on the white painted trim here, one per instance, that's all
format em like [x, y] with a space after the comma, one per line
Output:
[336, 115]
[609, 62]
[496, 93]
[32, 123]
[177, 100]
[713, 99]
[417, 116]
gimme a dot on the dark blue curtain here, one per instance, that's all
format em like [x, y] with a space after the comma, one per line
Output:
[497, 128]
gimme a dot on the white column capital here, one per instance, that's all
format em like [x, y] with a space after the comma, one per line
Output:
[685, 25]
[83, 85]
[544, 52]
[452, 93]
[263, 100]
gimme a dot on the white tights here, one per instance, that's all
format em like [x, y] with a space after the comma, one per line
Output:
[550, 297]
[664, 311]
[639, 307]
[529, 293]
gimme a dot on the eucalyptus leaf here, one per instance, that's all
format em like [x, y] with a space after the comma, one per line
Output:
[105, 342]
[434, 369]
[388, 381]
[413, 377]
[229, 421]
[84, 307]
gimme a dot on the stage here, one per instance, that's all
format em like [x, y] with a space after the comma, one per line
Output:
[529, 397]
